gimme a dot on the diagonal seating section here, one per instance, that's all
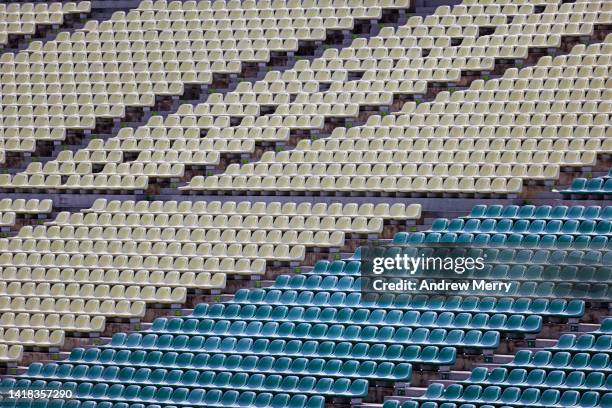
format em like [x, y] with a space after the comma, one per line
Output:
[545, 252]
[576, 372]
[25, 18]
[81, 269]
[152, 299]
[12, 211]
[167, 148]
[155, 50]
[315, 335]
[582, 188]
[481, 141]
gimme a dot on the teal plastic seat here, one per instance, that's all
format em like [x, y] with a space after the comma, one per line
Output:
[598, 361]
[439, 225]
[453, 392]
[594, 185]
[416, 238]
[514, 240]
[553, 227]
[606, 213]
[593, 380]
[457, 224]
[603, 227]
[570, 226]
[598, 242]
[575, 212]
[569, 399]
[530, 240]
[490, 394]
[432, 238]
[542, 212]
[578, 185]
[549, 397]
[558, 212]
[494, 211]
[554, 379]
[399, 372]
[478, 211]
[471, 225]
[514, 211]
[400, 238]
[449, 238]
[478, 375]
[337, 267]
[434, 391]
[576, 379]
[510, 395]
[320, 267]
[591, 212]
[520, 226]
[588, 399]
[603, 343]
